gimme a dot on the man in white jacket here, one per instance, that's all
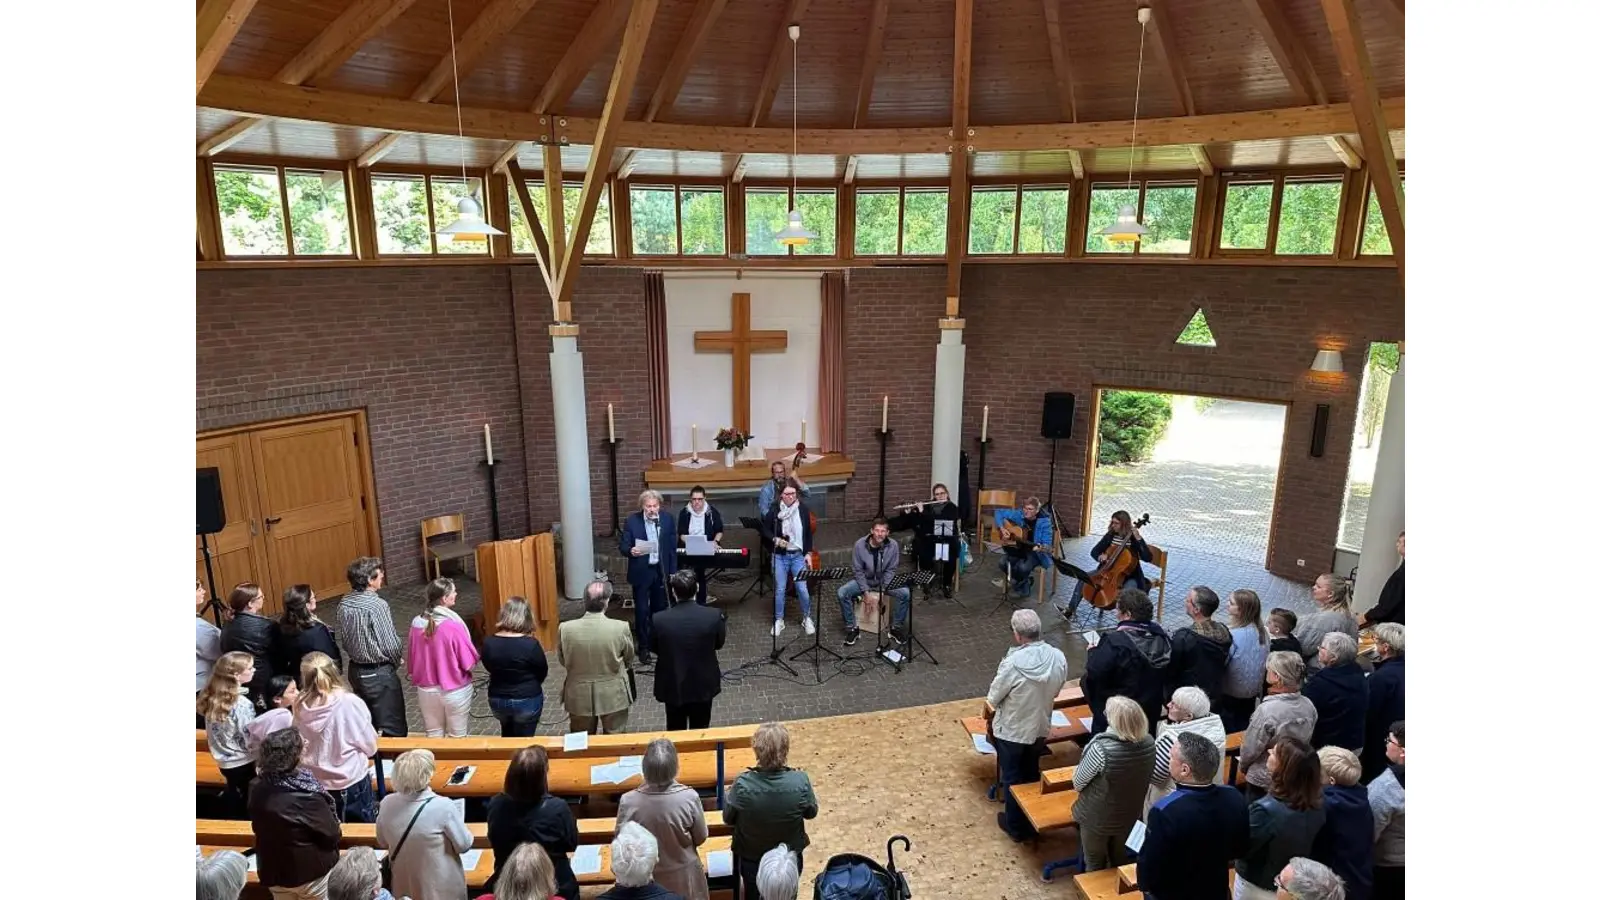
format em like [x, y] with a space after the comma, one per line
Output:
[1019, 704]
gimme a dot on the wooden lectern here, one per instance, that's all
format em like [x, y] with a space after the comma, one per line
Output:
[525, 567]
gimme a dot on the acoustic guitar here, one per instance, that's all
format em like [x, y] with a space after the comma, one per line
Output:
[1101, 587]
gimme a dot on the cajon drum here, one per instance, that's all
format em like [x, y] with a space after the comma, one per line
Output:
[869, 612]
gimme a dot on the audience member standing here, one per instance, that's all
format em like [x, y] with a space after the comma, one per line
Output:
[339, 738]
[687, 638]
[1111, 781]
[1345, 842]
[1281, 624]
[1391, 606]
[634, 853]
[1188, 712]
[1307, 879]
[228, 711]
[424, 833]
[517, 669]
[1284, 713]
[1332, 596]
[648, 570]
[1339, 692]
[220, 876]
[1130, 661]
[1193, 834]
[527, 875]
[1386, 698]
[357, 876]
[285, 694]
[1284, 823]
[296, 829]
[1018, 704]
[670, 811]
[767, 807]
[248, 631]
[370, 641]
[596, 651]
[1388, 796]
[301, 632]
[525, 812]
[1200, 651]
[1247, 661]
[441, 659]
[207, 640]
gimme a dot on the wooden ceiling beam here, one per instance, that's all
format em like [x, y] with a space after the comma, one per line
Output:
[215, 26]
[1289, 52]
[850, 165]
[958, 199]
[1395, 12]
[630, 161]
[555, 201]
[640, 17]
[876, 29]
[777, 60]
[541, 246]
[1202, 159]
[1076, 159]
[1171, 56]
[1371, 123]
[261, 98]
[683, 55]
[585, 49]
[1345, 151]
[1060, 61]
[740, 168]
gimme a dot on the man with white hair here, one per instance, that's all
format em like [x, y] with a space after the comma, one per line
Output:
[648, 569]
[220, 876]
[1386, 697]
[634, 852]
[1339, 692]
[1307, 879]
[778, 878]
[1018, 707]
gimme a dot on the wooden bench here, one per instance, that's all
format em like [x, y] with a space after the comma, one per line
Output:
[1101, 885]
[237, 833]
[1045, 811]
[1128, 878]
[632, 744]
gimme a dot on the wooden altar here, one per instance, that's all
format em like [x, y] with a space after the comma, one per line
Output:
[747, 476]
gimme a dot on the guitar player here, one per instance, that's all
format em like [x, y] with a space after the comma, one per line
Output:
[1029, 552]
[1121, 527]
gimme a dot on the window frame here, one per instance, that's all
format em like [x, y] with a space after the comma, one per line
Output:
[1066, 233]
[1278, 178]
[1287, 178]
[899, 192]
[805, 186]
[1367, 204]
[1016, 217]
[396, 173]
[282, 168]
[677, 220]
[534, 181]
[1144, 183]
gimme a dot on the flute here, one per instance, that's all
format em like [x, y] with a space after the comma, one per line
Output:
[926, 502]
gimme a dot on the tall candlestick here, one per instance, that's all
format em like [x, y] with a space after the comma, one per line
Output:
[802, 431]
[885, 413]
[985, 435]
[694, 441]
[488, 445]
[611, 423]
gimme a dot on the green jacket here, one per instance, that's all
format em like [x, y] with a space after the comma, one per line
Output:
[767, 808]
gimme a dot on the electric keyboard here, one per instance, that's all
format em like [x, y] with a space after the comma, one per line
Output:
[737, 558]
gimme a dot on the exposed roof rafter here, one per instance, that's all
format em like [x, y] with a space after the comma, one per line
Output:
[869, 60]
[1287, 50]
[776, 60]
[1171, 56]
[689, 45]
[1371, 122]
[216, 23]
[1060, 61]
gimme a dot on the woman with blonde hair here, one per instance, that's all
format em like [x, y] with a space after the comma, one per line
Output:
[673, 813]
[1247, 660]
[527, 875]
[424, 833]
[1332, 594]
[440, 660]
[1111, 781]
[517, 669]
[768, 806]
[339, 737]
[227, 709]
[248, 631]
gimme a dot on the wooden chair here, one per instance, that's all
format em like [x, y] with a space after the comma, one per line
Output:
[1045, 578]
[1158, 584]
[988, 531]
[434, 553]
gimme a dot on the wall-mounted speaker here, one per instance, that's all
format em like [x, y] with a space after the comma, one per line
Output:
[1057, 419]
[1319, 429]
[209, 517]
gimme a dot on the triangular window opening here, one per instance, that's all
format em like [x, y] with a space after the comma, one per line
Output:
[1197, 333]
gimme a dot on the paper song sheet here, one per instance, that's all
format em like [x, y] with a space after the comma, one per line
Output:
[575, 740]
[982, 745]
[586, 859]
[719, 863]
[1058, 719]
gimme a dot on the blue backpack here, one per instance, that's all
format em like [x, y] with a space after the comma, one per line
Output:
[850, 877]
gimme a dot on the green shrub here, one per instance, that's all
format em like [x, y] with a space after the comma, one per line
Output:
[1131, 422]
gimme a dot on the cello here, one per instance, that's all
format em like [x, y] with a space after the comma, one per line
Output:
[814, 558]
[1101, 587]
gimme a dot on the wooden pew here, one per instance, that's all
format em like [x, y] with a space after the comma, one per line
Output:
[600, 745]
[1101, 885]
[1045, 811]
[1071, 731]
[1128, 878]
[238, 834]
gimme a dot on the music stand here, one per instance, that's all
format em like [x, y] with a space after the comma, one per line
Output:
[759, 585]
[901, 580]
[820, 576]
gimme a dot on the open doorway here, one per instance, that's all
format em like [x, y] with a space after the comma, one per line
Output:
[1204, 468]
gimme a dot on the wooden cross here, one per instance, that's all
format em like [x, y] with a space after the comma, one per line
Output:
[741, 342]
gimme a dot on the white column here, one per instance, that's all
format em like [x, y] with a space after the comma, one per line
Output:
[949, 380]
[572, 460]
[1386, 511]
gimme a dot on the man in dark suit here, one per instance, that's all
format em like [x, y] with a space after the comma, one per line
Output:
[648, 570]
[687, 638]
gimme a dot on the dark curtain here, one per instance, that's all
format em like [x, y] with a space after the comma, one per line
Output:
[655, 323]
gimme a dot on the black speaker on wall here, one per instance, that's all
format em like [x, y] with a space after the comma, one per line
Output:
[209, 517]
[1319, 429]
[1057, 420]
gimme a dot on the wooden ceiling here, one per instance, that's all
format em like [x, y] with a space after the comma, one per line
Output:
[863, 64]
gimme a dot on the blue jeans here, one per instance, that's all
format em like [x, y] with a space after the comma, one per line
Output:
[851, 589]
[1018, 764]
[519, 716]
[792, 564]
[356, 802]
[1021, 571]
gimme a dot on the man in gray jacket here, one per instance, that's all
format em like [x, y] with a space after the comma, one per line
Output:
[874, 559]
[1019, 704]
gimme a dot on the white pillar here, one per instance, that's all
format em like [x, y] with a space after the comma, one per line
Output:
[1386, 510]
[572, 459]
[949, 380]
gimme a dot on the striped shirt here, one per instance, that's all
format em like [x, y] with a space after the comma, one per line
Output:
[366, 628]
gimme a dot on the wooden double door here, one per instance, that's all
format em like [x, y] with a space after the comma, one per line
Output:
[298, 502]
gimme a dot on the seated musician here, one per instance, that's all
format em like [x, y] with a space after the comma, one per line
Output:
[699, 517]
[874, 559]
[1121, 527]
[1032, 550]
[937, 525]
[774, 487]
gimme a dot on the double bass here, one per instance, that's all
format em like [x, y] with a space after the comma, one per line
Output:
[1101, 587]
[814, 558]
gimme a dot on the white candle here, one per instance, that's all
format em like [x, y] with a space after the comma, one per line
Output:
[885, 426]
[611, 424]
[694, 441]
[985, 435]
[802, 431]
[488, 445]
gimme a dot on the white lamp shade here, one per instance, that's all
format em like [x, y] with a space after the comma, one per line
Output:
[469, 224]
[1126, 228]
[794, 234]
[1328, 361]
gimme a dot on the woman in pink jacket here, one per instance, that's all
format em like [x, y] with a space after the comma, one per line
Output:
[440, 660]
[339, 738]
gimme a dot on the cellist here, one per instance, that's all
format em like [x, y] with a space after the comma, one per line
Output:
[1121, 535]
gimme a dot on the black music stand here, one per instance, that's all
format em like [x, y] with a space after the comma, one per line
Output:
[904, 579]
[1072, 571]
[815, 576]
[759, 585]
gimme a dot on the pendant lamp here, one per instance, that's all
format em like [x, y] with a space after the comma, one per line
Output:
[1126, 229]
[794, 234]
[469, 224]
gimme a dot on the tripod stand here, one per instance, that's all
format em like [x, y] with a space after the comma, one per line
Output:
[759, 585]
[211, 581]
[815, 576]
[899, 660]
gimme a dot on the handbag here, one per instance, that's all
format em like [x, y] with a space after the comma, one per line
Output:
[384, 866]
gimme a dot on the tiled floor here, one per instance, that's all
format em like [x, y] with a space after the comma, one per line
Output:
[967, 635]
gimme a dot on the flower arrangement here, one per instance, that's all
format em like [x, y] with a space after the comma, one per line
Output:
[733, 439]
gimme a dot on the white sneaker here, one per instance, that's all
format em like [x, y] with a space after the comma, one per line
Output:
[810, 626]
[777, 628]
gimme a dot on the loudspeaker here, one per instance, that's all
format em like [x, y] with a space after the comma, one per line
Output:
[209, 517]
[1319, 429]
[1057, 424]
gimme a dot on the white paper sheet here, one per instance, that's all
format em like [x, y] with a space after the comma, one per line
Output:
[1091, 638]
[941, 552]
[892, 655]
[982, 745]
[1136, 837]
[644, 546]
[698, 545]
[469, 859]
[692, 463]
[575, 740]
[586, 859]
[1058, 719]
[1087, 722]
[388, 770]
[460, 804]
[719, 863]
